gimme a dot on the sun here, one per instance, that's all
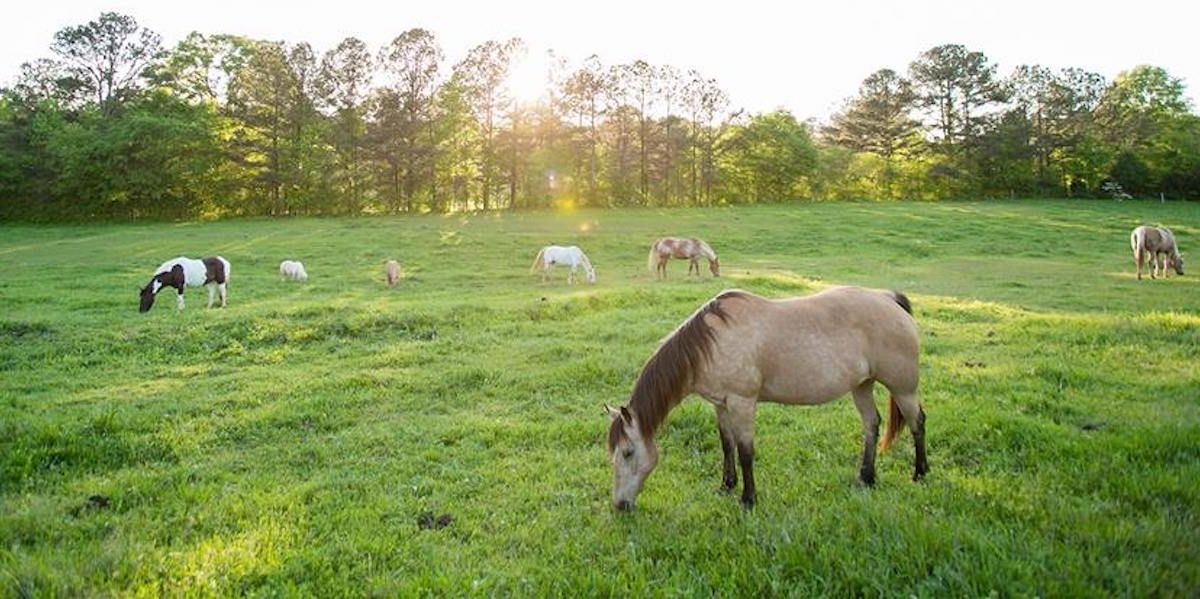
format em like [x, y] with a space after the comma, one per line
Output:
[528, 78]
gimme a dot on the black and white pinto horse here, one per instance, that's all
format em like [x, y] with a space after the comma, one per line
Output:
[211, 272]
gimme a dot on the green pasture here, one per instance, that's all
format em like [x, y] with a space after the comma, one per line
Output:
[307, 439]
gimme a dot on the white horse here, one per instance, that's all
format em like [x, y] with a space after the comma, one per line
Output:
[293, 269]
[567, 256]
[211, 272]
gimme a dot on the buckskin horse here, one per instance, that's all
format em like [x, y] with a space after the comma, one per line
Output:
[739, 349]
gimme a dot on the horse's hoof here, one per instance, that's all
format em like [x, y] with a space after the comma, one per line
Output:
[727, 487]
[748, 502]
[866, 481]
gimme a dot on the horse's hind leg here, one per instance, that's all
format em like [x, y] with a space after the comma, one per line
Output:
[212, 293]
[864, 400]
[221, 292]
[914, 415]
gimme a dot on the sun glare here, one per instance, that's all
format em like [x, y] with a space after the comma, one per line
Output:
[528, 77]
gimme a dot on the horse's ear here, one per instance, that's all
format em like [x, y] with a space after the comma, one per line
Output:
[613, 412]
[626, 415]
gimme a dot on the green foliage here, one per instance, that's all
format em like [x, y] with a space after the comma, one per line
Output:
[293, 442]
[113, 126]
[769, 159]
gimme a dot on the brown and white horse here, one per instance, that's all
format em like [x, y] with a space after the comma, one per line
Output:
[1157, 243]
[740, 349]
[692, 249]
[211, 272]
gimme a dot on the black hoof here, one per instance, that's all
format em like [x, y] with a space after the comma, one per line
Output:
[748, 502]
[866, 479]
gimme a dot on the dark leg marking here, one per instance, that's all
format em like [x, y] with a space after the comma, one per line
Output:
[746, 457]
[921, 465]
[870, 438]
[729, 476]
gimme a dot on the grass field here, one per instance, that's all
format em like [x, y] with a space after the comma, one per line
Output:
[296, 442]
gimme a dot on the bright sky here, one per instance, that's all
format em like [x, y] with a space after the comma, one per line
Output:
[806, 58]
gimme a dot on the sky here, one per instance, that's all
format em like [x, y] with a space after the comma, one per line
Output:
[805, 58]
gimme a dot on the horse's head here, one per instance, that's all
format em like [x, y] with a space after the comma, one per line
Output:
[591, 276]
[148, 293]
[633, 457]
[715, 266]
[1177, 262]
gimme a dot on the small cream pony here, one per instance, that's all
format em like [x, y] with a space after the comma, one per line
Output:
[567, 256]
[391, 272]
[293, 269]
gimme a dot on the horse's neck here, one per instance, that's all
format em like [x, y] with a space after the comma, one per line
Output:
[707, 251]
[652, 412]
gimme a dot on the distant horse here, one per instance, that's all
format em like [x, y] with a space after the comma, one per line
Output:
[571, 256]
[211, 272]
[740, 349]
[1157, 243]
[391, 272]
[666, 248]
[292, 269]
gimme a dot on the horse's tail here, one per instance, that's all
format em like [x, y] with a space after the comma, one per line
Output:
[538, 261]
[902, 300]
[895, 423]
[652, 259]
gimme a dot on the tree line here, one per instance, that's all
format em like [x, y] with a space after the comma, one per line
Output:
[115, 125]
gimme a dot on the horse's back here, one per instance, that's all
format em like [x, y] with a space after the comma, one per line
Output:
[1152, 239]
[813, 349]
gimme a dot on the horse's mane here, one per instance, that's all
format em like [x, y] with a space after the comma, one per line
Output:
[706, 249]
[669, 373]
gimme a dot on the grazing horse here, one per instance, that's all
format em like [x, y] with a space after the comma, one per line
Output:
[293, 269]
[211, 272]
[740, 349]
[391, 271]
[666, 248]
[571, 256]
[1157, 243]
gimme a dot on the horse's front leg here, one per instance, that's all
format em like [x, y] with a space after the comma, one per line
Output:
[740, 423]
[179, 300]
[864, 400]
[729, 472]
